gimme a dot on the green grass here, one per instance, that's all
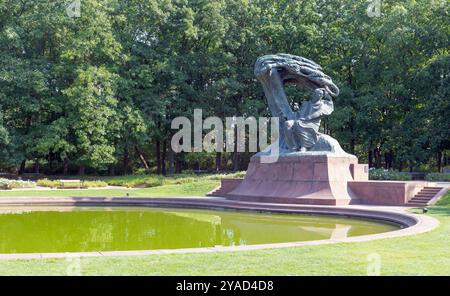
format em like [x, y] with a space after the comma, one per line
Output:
[423, 254]
[186, 189]
[82, 184]
[158, 180]
[154, 186]
[149, 180]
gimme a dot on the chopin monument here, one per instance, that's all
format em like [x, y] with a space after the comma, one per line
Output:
[311, 167]
[299, 130]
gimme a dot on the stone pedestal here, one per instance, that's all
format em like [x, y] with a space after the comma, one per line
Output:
[301, 179]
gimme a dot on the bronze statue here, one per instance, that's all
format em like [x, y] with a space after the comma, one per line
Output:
[299, 131]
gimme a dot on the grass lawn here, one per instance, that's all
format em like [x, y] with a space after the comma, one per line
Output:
[139, 186]
[185, 189]
[423, 254]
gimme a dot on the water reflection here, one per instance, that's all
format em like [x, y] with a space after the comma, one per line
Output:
[25, 230]
[340, 231]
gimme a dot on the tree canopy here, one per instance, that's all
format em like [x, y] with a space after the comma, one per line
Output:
[97, 92]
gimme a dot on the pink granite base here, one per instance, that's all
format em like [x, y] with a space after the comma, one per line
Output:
[301, 179]
[388, 193]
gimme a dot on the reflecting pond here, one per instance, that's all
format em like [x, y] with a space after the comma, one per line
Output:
[83, 229]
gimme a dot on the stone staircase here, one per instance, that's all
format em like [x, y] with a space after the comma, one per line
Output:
[226, 185]
[424, 196]
[219, 191]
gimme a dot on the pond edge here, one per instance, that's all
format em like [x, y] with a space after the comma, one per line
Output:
[413, 223]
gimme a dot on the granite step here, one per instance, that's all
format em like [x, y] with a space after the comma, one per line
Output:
[425, 195]
[413, 204]
[429, 191]
[217, 192]
[421, 198]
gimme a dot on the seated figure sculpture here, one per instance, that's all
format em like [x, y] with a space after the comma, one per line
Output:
[299, 131]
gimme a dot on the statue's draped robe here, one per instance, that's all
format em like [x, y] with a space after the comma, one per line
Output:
[306, 123]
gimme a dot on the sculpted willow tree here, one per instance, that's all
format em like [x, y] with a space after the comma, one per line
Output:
[299, 131]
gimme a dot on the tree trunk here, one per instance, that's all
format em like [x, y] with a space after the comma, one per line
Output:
[352, 139]
[163, 158]
[22, 167]
[235, 152]
[218, 161]
[171, 161]
[178, 166]
[179, 163]
[391, 159]
[377, 153]
[352, 146]
[370, 158]
[235, 161]
[51, 158]
[388, 159]
[81, 170]
[445, 158]
[439, 160]
[112, 170]
[141, 157]
[36, 167]
[158, 157]
[65, 166]
[126, 160]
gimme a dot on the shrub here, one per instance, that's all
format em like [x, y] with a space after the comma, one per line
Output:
[136, 181]
[95, 183]
[443, 177]
[153, 180]
[127, 181]
[82, 184]
[382, 174]
[48, 183]
[10, 184]
[240, 174]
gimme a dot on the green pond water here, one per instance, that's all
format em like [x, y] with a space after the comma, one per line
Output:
[64, 229]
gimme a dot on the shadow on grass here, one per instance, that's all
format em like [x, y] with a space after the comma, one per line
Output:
[442, 207]
[442, 211]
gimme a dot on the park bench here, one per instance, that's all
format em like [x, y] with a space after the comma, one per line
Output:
[71, 184]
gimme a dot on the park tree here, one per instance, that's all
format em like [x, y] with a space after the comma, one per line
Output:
[433, 89]
[4, 140]
[92, 117]
[99, 90]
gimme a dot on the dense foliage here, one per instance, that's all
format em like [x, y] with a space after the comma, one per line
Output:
[97, 93]
[14, 184]
[438, 177]
[384, 174]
